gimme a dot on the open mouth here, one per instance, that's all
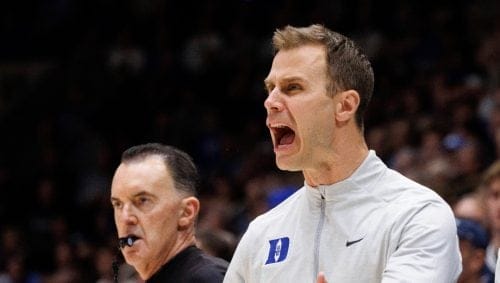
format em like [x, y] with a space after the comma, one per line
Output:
[283, 135]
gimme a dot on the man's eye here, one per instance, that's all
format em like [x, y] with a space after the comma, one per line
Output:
[292, 87]
[269, 88]
[116, 204]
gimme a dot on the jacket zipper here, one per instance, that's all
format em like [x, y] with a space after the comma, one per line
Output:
[317, 238]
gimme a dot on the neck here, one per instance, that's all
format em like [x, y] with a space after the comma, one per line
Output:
[148, 270]
[338, 164]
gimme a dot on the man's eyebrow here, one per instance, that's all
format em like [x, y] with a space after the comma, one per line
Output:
[139, 194]
[268, 81]
[293, 79]
[142, 193]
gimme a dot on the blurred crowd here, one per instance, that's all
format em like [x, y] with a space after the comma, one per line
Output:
[81, 81]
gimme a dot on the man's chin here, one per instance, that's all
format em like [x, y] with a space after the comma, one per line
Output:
[129, 259]
[284, 164]
[132, 258]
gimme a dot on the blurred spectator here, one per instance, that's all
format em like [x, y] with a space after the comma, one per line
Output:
[491, 117]
[436, 164]
[12, 244]
[467, 159]
[376, 138]
[66, 265]
[217, 205]
[16, 271]
[406, 161]
[473, 242]
[254, 204]
[487, 55]
[216, 242]
[491, 186]
[471, 206]
[103, 262]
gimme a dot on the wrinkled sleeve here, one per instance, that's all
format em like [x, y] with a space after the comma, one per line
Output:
[428, 249]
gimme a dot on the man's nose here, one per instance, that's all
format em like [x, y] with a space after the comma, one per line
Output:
[128, 215]
[273, 101]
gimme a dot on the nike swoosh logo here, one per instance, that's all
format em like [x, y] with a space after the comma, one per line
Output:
[348, 243]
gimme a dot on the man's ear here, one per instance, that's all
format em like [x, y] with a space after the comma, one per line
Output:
[190, 206]
[347, 105]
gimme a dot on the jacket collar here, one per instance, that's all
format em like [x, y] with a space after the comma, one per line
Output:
[365, 176]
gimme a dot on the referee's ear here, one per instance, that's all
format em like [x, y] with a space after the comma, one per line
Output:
[190, 206]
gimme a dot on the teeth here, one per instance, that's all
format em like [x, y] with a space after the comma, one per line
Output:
[278, 126]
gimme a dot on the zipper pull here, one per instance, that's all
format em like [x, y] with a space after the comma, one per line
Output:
[322, 193]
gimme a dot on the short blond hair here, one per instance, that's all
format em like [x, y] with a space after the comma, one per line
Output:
[347, 66]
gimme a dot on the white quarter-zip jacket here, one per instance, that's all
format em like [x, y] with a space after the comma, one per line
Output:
[375, 226]
[497, 268]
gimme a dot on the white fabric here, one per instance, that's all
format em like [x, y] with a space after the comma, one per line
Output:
[491, 257]
[408, 234]
[497, 269]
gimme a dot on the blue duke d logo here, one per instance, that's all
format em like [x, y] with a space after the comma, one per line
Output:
[278, 250]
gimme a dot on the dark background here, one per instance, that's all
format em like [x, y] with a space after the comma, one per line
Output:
[81, 81]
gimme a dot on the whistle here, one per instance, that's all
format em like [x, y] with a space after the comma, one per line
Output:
[126, 241]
